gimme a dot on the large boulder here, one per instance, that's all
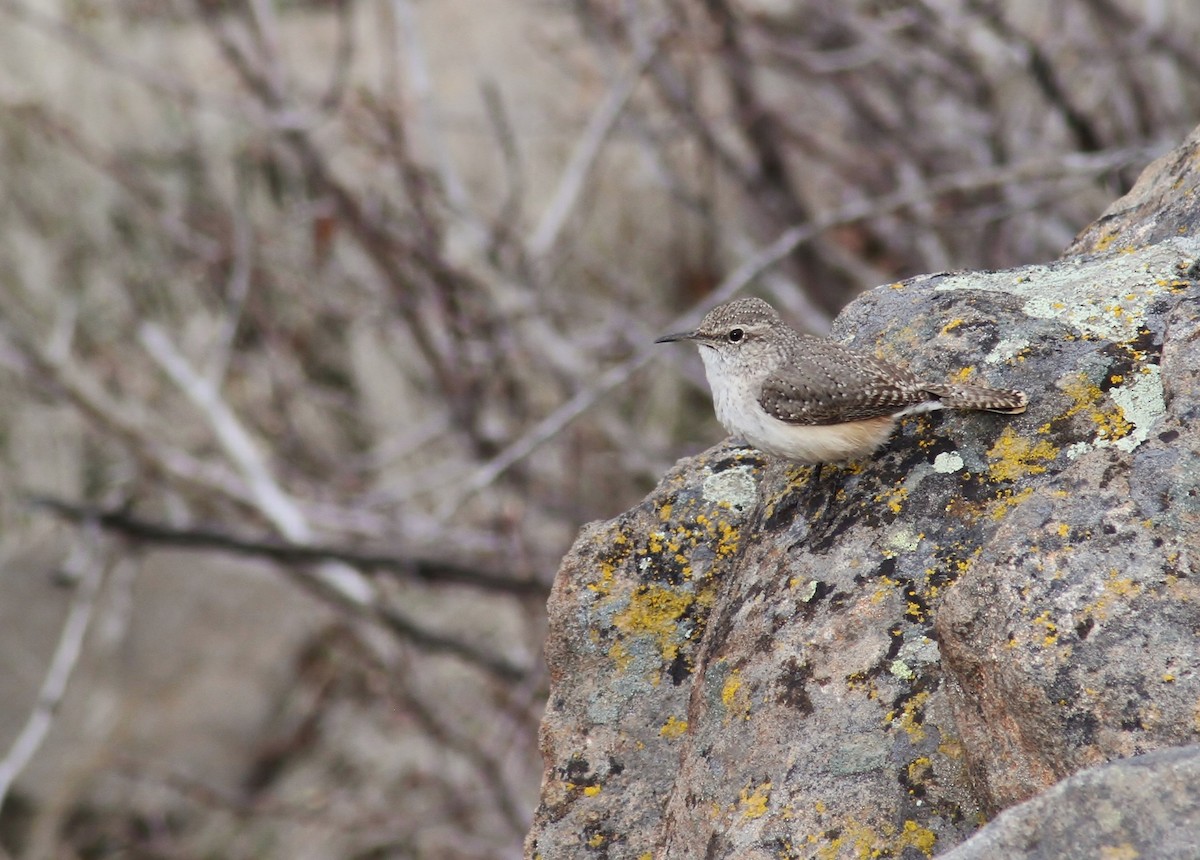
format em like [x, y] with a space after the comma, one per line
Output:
[765, 660]
[1143, 806]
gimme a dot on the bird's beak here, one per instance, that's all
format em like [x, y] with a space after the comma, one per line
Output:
[682, 335]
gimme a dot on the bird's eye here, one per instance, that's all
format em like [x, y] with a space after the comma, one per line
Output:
[736, 335]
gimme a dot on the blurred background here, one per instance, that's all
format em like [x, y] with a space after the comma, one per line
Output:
[324, 325]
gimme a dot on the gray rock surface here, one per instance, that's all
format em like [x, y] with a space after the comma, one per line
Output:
[764, 660]
[1145, 806]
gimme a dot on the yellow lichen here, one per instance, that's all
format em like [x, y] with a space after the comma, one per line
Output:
[673, 728]
[1109, 418]
[620, 655]
[1006, 500]
[950, 747]
[830, 850]
[726, 534]
[916, 836]
[729, 540]
[655, 611]
[1122, 586]
[753, 804]
[866, 842]
[734, 697]
[1014, 456]
[1044, 621]
[591, 790]
[1116, 587]
[1124, 851]
[604, 584]
[909, 717]
[894, 498]
[919, 769]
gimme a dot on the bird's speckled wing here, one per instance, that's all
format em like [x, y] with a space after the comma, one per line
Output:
[838, 385]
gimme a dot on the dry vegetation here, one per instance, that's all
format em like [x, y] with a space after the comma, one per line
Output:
[352, 300]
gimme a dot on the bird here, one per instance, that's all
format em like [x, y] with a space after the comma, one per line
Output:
[810, 399]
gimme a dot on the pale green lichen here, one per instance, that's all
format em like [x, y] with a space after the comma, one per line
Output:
[1006, 350]
[1142, 402]
[806, 590]
[904, 539]
[735, 487]
[1067, 291]
[948, 462]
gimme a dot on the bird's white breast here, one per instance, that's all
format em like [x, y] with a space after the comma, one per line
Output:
[735, 399]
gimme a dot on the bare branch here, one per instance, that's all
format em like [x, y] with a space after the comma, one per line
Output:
[275, 504]
[123, 421]
[267, 26]
[586, 152]
[421, 83]
[425, 569]
[237, 289]
[89, 563]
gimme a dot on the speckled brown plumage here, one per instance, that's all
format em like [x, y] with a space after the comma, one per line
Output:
[833, 384]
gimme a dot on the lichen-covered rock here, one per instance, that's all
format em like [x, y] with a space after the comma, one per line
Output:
[765, 660]
[1164, 204]
[627, 613]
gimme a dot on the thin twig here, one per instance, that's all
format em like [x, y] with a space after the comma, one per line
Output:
[124, 421]
[156, 78]
[274, 503]
[389, 618]
[584, 155]
[90, 570]
[421, 82]
[266, 25]
[237, 289]
[283, 512]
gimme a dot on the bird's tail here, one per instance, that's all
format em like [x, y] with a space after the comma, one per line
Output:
[961, 396]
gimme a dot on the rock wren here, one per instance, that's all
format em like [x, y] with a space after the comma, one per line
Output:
[811, 399]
